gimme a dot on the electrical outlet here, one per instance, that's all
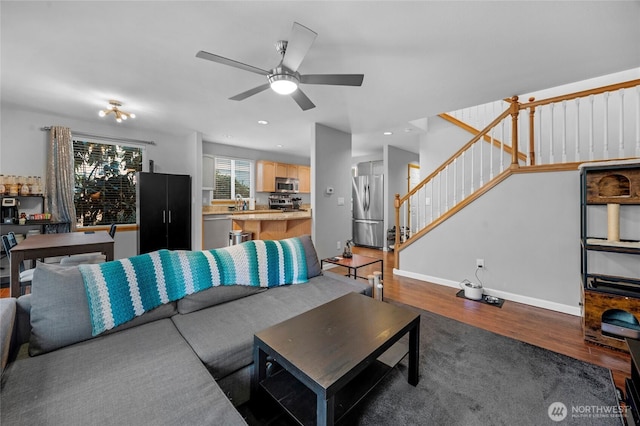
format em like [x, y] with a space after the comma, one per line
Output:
[480, 263]
[338, 245]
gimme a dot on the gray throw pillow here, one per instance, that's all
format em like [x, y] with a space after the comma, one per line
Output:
[59, 308]
[313, 264]
[60, 311]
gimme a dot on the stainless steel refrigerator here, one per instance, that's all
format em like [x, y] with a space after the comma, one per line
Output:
[368, 210]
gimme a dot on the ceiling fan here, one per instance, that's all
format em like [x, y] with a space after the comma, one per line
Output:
[284, 78]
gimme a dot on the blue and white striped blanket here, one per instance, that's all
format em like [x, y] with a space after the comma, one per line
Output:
[121, 290]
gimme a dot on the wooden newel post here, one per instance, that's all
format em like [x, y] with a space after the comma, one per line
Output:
[515, 111]
[532, 150]
[396, 243]
[396, 205]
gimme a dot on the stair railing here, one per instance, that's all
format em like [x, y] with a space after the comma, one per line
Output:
[591, 125]
[554, 130]
[486, 155]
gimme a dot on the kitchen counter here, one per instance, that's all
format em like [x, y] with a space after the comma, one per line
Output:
[273, 224]
[271, 215]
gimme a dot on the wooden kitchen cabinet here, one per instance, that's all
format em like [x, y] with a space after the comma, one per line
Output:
[292, 171]
[267, 171]
[282, 170]
[304, 179]
[265, 176]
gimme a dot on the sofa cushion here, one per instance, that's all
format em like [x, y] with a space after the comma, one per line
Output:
[313, 264]
[222, 336]
[215, 296]
[60, 311]
[146, 375]
[7, 320]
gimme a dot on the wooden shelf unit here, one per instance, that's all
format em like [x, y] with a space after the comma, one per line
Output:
[611, 303]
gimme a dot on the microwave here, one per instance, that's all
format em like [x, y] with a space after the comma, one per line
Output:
[286, 185]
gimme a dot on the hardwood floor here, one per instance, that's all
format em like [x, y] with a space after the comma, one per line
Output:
[551, 330]
[547, 329]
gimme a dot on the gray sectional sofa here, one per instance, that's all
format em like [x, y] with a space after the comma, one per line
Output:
[187, 362]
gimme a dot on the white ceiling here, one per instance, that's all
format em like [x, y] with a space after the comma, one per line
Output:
[419, 58]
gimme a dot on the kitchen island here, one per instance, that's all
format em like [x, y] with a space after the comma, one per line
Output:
[273, 225]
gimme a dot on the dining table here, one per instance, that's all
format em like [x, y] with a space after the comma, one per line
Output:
[41, 246]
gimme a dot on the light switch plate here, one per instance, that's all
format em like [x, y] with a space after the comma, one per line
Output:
[341, 201]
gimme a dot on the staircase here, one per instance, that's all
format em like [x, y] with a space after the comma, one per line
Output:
[553, 134]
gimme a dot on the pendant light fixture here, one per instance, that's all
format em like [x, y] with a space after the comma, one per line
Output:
[113, 108]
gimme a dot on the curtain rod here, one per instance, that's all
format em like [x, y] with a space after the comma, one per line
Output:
[109, 138]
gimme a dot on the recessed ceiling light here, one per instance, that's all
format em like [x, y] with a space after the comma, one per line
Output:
[263, 122]
[228, 136]
[279, 145]
[387, 133]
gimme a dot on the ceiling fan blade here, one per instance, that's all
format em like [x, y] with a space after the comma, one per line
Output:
[299, 43]
[333, 79]
[250, 92]
[226, 61]
[302, 100]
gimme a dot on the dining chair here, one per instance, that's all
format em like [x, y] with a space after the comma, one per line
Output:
[26, 275]
[112, 230]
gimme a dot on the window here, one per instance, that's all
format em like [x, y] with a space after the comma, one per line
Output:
[232, 178]
[105, 183]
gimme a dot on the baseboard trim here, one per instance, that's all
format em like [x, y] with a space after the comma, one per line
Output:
[532, 301]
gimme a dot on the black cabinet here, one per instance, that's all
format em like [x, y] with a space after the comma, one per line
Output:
[163, 211]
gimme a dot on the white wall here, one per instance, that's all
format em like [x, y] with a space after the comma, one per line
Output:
[527, 229]
[330, 167]
[438, 143]
[23, 147]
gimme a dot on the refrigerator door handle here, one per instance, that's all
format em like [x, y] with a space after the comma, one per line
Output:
[164, 217]
[366, 198]
[366, 221]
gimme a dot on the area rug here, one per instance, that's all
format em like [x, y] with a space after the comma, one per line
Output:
[470, 376]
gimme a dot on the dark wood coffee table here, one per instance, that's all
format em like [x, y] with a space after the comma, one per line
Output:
[331, 356]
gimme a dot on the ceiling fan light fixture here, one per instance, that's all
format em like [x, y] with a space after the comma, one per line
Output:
[283, 84]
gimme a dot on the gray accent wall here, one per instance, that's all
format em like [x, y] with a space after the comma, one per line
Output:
[395, 179]
[527, 230]
[330, 167]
